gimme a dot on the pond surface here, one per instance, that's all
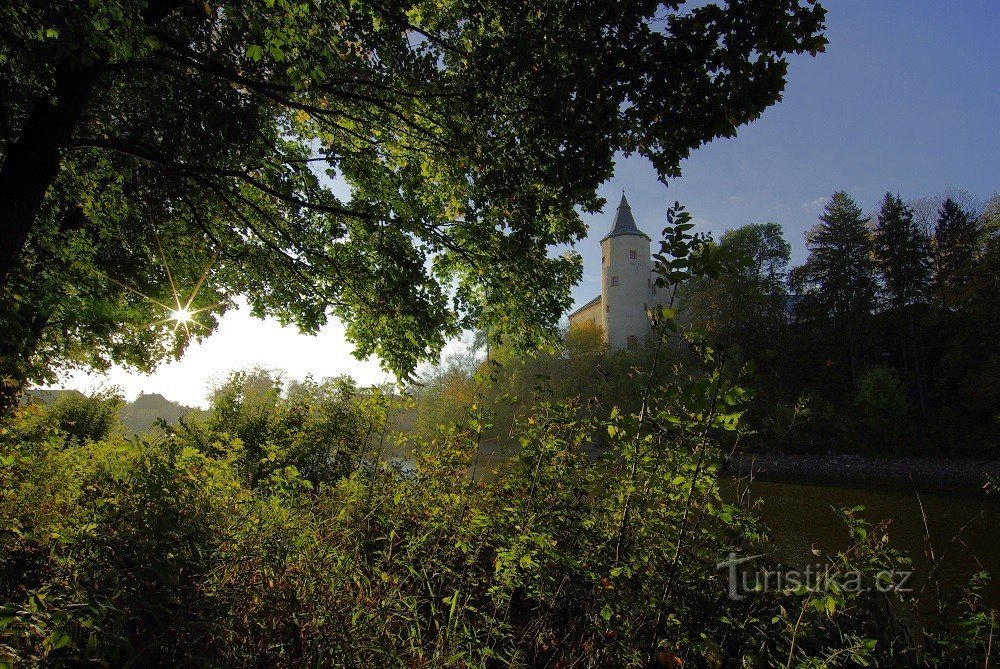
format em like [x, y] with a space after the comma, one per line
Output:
[964, 526]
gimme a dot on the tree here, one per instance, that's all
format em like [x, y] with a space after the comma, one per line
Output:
[838, 279]
[750, 301]
[957, 243]
[925, 209]
[989, 218]
[401, 166]
[86, 418]
[903, 251]
[967, 264]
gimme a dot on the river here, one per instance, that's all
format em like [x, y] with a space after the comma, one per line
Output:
[964, 526]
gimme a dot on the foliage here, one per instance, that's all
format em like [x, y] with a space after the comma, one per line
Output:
[266, 426]
[159, 553]
[404, 168]
[87, 417]
[509, 385]
[903, 251]
[803, 399]
[884, 409]
[749, 304]
[956, 245]
[812, 336]
[838, 280]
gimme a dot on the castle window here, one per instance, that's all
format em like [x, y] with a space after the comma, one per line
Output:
[607, 308]
[632, 343]
[631, 255]
[602, 260]
[614, 281]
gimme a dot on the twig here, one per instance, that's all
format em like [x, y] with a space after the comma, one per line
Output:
[697, 470]
[929, 545]
[989, 643]
[795, 631]
[643, 410]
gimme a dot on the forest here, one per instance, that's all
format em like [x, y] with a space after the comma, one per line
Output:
[406, 169]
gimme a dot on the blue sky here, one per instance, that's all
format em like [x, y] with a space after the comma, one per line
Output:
[906, 99]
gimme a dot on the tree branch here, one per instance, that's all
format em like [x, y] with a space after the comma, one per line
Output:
[149, 155]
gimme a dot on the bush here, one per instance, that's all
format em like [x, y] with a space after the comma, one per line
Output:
[884, 409]
[273, 533]
[321, 429]
[88, 417]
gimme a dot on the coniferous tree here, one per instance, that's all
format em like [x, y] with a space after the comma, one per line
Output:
[956, 247]
[838, 280]
[962, 278]
[903, 251]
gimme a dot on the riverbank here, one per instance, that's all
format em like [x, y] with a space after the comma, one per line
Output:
[943, 472]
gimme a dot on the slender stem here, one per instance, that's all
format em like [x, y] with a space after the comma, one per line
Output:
[795, 632]
[626, 508]
[989, 643]
[697, 470]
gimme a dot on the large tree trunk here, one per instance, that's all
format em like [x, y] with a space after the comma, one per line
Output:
[32, 163]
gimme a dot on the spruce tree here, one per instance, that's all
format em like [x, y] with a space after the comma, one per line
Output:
[962, 272]
[956, 247]
[903, 251]
[839, 277]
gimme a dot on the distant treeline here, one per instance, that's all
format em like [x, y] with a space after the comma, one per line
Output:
[140, 416]
[884, 341]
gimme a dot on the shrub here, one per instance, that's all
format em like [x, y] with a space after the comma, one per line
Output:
[321, 429]
[152, 552]
[884, 409]
[88, 417]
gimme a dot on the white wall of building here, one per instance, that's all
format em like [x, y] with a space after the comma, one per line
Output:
[626, 262]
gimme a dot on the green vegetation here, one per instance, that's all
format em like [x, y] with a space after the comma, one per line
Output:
[274, 531]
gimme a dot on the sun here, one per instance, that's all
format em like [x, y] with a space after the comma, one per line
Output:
[181, 315]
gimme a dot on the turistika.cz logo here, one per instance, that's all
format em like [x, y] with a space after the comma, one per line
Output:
[744, 580]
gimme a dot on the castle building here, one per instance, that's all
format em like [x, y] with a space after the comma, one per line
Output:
[628, 285]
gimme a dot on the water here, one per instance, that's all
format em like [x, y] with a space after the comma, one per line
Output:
[964, 526]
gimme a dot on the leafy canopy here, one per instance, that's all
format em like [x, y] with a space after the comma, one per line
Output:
[401, 166]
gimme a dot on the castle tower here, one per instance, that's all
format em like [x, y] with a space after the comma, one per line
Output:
[626, 281]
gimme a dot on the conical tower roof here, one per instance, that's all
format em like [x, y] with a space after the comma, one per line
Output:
[624, 223]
